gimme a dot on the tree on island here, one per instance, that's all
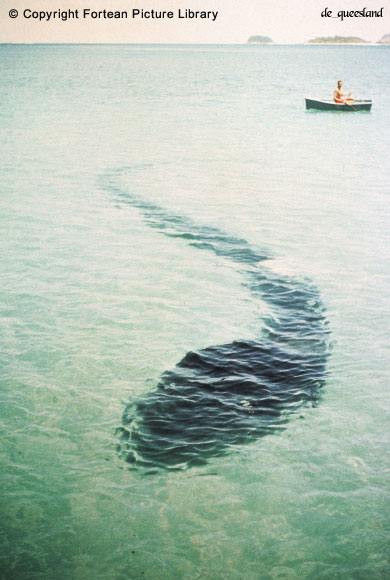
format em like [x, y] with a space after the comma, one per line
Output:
[337, 40]
[385, 39]
[260, 40]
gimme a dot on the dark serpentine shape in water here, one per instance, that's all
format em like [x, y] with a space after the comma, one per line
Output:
[223, 396]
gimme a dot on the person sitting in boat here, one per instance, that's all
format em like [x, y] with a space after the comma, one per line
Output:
[340, 97]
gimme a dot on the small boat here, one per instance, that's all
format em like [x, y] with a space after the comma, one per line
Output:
[330, 105]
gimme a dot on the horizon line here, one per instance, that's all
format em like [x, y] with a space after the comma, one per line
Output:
[304, 43]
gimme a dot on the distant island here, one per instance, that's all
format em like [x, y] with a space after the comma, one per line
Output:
[337, 40]
[260, 40]
[257, 39]
[385, 39]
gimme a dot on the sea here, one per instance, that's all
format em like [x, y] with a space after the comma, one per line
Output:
[194, 313]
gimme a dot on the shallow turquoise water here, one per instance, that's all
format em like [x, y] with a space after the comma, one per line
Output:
[96, 304]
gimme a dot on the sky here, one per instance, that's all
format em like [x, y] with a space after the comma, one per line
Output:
[285, 21]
